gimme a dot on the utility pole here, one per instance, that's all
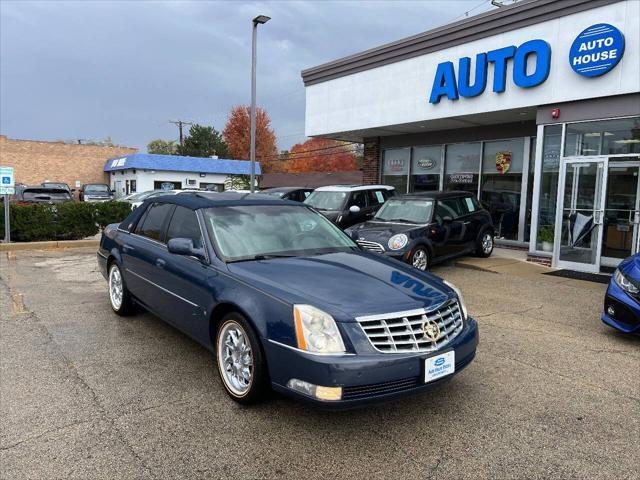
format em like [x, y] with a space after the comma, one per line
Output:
[259, 20]
[180, 124]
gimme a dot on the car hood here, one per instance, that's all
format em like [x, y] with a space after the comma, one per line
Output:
[631, 267]
[375, 229]
[346, 285]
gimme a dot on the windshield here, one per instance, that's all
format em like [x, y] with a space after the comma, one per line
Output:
[326, 200]
[96, 188]
[412, 211]
[251, 232]
[45, 194]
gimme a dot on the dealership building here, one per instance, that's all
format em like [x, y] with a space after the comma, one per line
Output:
[534, 107]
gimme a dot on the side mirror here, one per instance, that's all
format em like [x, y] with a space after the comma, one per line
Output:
[447, 219]
[184, 246]
[113, 191]
[354, 209]
[354, 235]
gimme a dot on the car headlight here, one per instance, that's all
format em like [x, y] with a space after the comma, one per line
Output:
[624, 283]
[398, 241]
[316, 331]
[463, 306]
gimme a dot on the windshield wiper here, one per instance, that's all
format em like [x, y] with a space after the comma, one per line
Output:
[265, 256]
[396, 220]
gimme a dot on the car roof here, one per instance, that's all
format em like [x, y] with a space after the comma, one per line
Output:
[435, 195]
[353, 188]
[196, 200]
[285, 189]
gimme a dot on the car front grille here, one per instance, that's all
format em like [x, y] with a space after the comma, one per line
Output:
[385, 388]
[403, 332]
[371, 246]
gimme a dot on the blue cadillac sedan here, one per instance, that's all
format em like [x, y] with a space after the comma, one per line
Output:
[285, 300]
[622, 300]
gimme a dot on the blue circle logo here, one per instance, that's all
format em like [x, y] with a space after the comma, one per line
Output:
[596, 50]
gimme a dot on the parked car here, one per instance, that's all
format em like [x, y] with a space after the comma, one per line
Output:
[423, 228]
[346, 205]
[95, 192]
[622, 300]
[57, 185]
[38, 194]
[286, 300]
[297, 194]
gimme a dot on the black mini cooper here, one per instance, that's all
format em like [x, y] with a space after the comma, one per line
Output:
[424, 228]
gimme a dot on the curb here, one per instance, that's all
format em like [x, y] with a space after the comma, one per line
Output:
[51, 245]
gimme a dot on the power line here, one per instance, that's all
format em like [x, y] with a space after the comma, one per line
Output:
[345, 148]
[466, 14]
[302, 157]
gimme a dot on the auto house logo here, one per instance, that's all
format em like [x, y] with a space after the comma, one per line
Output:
[596, 50]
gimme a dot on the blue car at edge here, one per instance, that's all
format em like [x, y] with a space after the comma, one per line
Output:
[285, 300]
[622, 300]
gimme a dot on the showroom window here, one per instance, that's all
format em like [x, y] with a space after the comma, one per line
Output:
[462, 166]
[548, 187]
[395, 168]
[425, 169]
[620, 136]
[502, 163]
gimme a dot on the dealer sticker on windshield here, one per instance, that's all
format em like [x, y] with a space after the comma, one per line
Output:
[439, 366]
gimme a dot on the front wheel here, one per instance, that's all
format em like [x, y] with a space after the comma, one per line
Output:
[484, 245]
[241, 365]
[420, 258]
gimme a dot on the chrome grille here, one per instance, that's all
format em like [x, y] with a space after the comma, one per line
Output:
[371, 246]
[402, 332]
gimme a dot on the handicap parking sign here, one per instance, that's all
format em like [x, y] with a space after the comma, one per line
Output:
[6, 180]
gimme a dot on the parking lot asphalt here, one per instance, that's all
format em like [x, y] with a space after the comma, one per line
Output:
[553, 393]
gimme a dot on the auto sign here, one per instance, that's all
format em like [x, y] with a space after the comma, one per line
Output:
[596, 50]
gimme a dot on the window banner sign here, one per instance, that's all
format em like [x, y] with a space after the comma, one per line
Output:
[596, 50]
[426, 163]
[503, 162]
[396, 165]
[465, 178]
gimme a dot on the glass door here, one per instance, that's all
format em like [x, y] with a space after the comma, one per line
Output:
[578, 231]
[621, 211]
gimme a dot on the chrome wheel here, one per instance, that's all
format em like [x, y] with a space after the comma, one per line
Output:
[235, 358]
[487, 243]
[420, 260]
[115, 287]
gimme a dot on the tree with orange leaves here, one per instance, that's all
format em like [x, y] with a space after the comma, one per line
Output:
[237, 134]
[322, 155]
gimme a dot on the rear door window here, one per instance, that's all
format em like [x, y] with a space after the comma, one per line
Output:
[184, 224]
[153, 224]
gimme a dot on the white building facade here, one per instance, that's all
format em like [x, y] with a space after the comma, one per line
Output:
[534, 107]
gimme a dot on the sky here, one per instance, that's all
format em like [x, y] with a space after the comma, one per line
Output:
[91, 69]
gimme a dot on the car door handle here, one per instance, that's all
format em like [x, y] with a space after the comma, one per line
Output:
[467, 222]
[127, 248]
[160, 263]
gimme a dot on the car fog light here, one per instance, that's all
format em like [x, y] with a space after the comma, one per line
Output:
[311, 390]
[611, 311]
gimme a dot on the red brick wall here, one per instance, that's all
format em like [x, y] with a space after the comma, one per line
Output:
[371, 163]
[36, 161]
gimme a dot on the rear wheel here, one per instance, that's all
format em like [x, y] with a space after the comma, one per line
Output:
[119, 296]
[420, 258]
[241, 364]
[484, 245]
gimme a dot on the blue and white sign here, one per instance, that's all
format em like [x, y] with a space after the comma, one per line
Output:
[596, 50]
[7, 183]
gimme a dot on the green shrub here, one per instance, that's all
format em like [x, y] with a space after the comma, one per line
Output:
[63, 221]
[111, 212]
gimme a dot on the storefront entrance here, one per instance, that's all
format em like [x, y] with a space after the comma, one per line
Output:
[598, 213]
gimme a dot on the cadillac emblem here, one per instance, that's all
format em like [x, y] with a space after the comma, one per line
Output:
[431, 330]
[503, 162]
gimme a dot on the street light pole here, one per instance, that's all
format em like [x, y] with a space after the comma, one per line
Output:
[260, 19]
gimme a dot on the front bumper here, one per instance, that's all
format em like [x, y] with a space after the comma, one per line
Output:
[621, 311]
[365, 378]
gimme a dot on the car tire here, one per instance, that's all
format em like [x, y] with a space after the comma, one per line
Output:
[484, 244]
[420, 258]
[119, 297]
[241, 364]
